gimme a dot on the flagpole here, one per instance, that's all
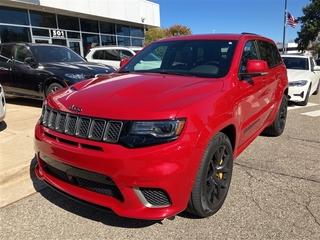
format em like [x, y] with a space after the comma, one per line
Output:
[284, 27]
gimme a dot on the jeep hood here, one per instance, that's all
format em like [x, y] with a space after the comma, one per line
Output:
[134, 96]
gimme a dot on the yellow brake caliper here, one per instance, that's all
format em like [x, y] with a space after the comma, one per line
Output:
[219, 175]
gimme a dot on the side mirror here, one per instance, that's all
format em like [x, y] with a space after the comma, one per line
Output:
[31, 62]
[255, 68]
[124, 61]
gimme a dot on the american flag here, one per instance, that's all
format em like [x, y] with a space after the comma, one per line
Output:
[291, 20]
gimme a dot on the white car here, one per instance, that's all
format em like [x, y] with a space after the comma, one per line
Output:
[110, 55]
[2, 104]
[303, 76]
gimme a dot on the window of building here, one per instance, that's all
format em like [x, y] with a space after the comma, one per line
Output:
[43, 19]
[40, 32]
[108, 40]
[137, 42]
[123, 30]
[14, 34]
[136, 32]
[70, 23]
[89, 25]
[89, 41]
[73, 35]
[108, 28]
[14, 16]
[124, 41]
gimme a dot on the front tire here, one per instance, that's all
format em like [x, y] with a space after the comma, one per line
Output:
[53, 87]
[213, 179]
[279, 123]
[317, 90]
[306, 100]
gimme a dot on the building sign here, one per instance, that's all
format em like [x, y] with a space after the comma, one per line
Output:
[58, 34]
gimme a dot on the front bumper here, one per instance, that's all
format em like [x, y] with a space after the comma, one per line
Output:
[146, 183]
[297, 93]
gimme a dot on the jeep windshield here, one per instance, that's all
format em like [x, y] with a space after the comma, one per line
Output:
[199, 58]
[56, 54]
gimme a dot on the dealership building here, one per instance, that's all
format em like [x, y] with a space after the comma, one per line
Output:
[78, 24]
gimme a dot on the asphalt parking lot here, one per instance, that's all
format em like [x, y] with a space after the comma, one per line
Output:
[274, 192]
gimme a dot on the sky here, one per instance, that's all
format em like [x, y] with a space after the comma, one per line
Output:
[263, 17]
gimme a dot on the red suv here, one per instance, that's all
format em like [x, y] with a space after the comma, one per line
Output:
[159, 136]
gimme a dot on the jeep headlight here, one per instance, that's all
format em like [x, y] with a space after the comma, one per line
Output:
[158, 129]
[298, 83]
[78, 76]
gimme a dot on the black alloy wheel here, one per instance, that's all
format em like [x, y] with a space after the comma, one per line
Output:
[53, 87]
[213, 179]
[279, 123]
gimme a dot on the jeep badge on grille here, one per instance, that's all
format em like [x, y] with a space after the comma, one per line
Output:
[75, 109]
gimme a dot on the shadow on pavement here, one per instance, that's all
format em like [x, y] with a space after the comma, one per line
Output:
[25, 102]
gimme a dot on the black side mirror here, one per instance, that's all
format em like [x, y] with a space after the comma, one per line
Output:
[31, 62]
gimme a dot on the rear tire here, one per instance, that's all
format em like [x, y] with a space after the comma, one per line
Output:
[279, 123]
[213, 179]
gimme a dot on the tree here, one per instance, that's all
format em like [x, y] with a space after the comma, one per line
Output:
[158, 33]
[177, 30]
[154, 34]
[310, 27]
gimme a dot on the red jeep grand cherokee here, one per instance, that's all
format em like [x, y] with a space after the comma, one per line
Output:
[159, 136]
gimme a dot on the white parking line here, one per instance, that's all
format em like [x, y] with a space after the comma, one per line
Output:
[292, 107]
[312, 114]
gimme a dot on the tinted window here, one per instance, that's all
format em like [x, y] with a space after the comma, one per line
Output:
[14, 16]
[124, 41]
[125, 54]
[5, 53]
[200, 58]
[269, 53]
[275, 54]
[296, 63]
[89, 25]
[42, 19]
[265, 53]
[106, 27]
[108, 40]
[137, 32]
[66, 22]
[123, 30]
[55, 54]
[15, 34]
[249, 52]
[40, 32]
[21, 53]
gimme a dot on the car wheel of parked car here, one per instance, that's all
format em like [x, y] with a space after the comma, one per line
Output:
[279, 123]
[53, 87]
[317, 90]
[213, 179]
[306, 100]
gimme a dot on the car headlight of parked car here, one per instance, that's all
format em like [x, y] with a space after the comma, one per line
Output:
[298, 83]
[78, 76]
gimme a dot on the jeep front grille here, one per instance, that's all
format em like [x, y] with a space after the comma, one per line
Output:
[81, 126]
